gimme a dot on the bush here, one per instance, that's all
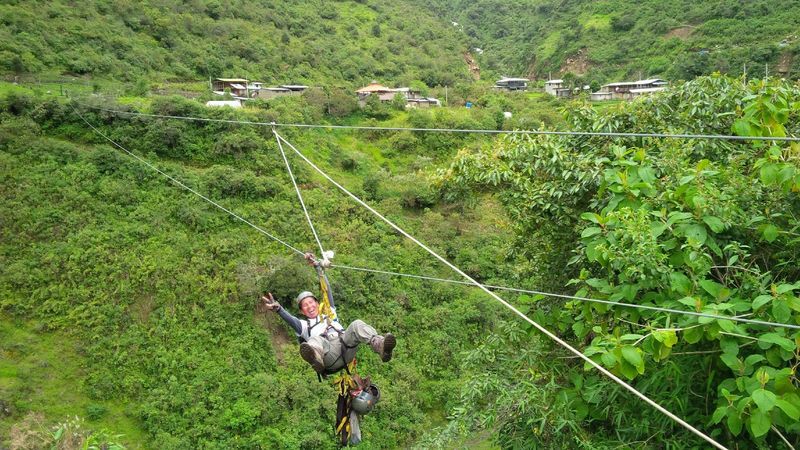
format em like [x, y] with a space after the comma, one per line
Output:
[95, 411]
[16, 103]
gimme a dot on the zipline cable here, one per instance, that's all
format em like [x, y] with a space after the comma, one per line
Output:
[444, 280]
[578, 298]
[188, 188]
[542, 329]
[300, 196]
[459, 130]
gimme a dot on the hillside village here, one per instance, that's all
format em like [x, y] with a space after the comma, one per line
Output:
[241, 90]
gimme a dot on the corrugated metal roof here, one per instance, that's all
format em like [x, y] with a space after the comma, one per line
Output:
[652, 81]
[506, 79]
[237, 86]
[373, 87]
[656, 81]
[553, 81]
[232, 80]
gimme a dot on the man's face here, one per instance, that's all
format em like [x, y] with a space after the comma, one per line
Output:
[309, 307]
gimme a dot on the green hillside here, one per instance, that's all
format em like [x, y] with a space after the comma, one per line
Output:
[315, 42]
[348, 43]
[612, 40]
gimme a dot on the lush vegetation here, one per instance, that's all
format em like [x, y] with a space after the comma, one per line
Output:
[318, 42]
[349, 43]
[156, 289]
[128, 307]
[697, 225]
[608, 40]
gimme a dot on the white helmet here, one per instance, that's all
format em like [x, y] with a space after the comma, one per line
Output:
[302, 296]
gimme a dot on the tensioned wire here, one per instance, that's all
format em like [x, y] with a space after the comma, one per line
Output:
[444, 280]
[578, 298]
[300, 196]
[458, 130]
[539, 327]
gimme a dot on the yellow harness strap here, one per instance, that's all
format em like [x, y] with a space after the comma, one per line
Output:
[325, 305]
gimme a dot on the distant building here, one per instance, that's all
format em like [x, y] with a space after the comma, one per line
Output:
[280, 91]
[423, 102]
[556, 88]
[628, 90]
[220, 103]
[512, 84]
[236, 86]
[551, 86]
[387, 94]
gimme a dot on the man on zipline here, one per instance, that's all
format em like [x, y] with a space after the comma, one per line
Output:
[325, 343]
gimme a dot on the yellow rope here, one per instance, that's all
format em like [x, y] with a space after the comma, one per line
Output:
[345, 382]
[325, 305]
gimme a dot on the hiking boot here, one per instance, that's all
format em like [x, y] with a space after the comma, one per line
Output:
[312, 356]
[383, 345]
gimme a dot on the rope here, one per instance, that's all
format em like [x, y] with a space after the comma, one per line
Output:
[542, 329]
[458, 130]
[300, 196]
[181, 184]
[582, 299]
[422, 277]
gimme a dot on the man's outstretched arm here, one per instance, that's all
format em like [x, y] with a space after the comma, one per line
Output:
[274, 306]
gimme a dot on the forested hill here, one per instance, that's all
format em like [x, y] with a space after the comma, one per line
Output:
[352, 42]
[293, 41]
[606, 39]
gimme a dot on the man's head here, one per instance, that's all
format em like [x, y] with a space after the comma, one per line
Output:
[308, 304]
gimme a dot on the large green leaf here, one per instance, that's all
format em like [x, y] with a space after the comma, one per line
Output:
[734, 424]
[764, 399]
[680, 283]
[714, 223]
[732, 361]
[788, 408]
[770, 233]
[781, 310]
[766, 340]
[769, 173]
[633, 355]
[761, 300]
[719, 413]
[760, 423]
[609, 359]
[697, 233]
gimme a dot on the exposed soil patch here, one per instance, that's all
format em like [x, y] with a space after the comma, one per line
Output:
[281, 340]
[578, 63]
[784, 63]
[681, 32]
[474, 70]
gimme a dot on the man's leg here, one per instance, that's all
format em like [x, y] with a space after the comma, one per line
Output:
[361, 333]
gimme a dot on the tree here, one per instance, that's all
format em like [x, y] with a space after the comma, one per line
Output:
[671, 224]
